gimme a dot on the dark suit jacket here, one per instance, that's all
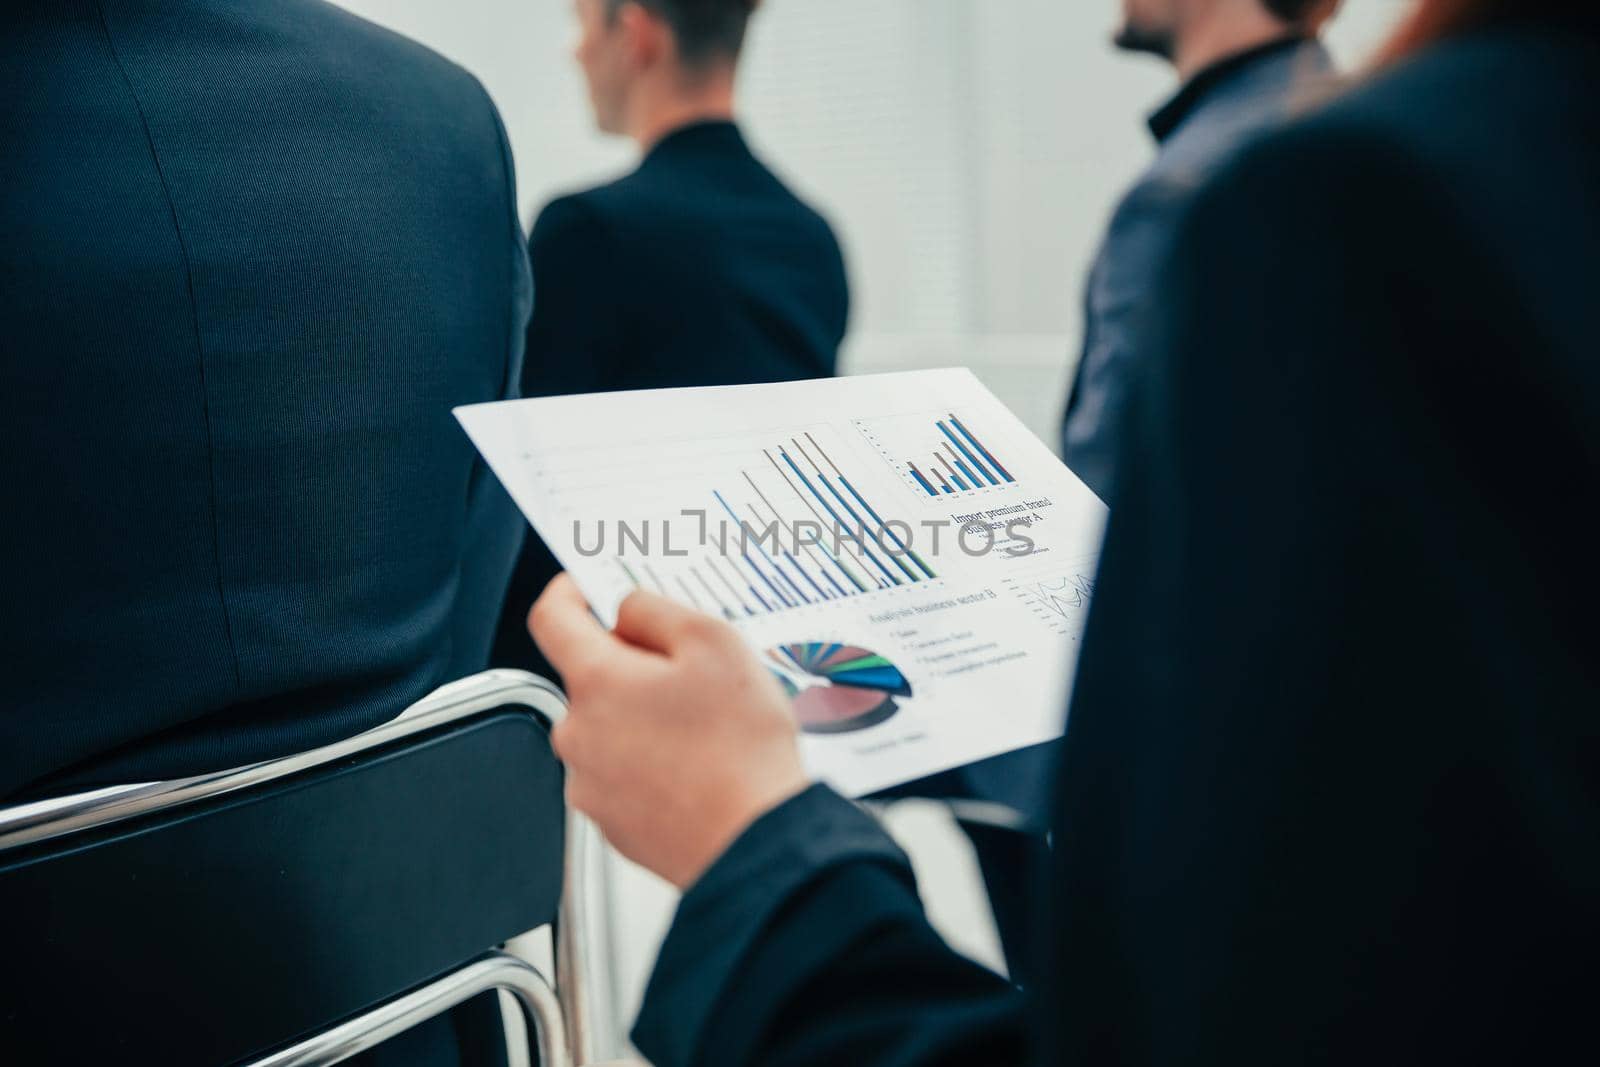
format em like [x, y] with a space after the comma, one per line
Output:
[250, 256]
[699, 268]
[1328, 792]
[1215, 113]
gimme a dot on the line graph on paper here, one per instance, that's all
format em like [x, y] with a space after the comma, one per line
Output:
[1057, 596]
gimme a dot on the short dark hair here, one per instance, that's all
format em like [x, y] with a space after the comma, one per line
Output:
[1292, 10]
[706, 30]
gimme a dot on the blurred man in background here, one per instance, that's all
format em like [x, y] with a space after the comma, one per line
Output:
[1243, 65]
[699, 268]
[1241, 62]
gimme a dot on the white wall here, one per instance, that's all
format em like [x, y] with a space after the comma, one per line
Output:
[968, 151]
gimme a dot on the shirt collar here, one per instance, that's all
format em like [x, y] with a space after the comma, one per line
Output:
[1166, 121]
[720, 133]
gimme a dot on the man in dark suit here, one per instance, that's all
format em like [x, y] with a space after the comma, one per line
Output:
[252, 256]
[1244, 66]
[1328, 791]
[699, 268]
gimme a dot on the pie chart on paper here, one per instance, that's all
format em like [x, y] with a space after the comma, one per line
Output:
[838, 688]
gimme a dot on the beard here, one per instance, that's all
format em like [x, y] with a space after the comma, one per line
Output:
[1146, 39]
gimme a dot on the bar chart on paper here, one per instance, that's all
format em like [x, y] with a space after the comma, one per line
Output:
[938, 454]
[740, 525]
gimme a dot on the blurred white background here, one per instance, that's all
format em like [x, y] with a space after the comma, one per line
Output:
[968, 152]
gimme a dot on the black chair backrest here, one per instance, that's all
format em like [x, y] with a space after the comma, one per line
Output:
[220, 929]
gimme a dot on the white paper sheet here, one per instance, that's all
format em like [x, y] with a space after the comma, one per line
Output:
[911, 563]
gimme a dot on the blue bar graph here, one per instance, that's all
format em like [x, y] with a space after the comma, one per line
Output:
[984, 452]
[790, 586]
[833, 556]
[744, 553]
[861, 527]
[937, 453]
[839, 522]
[979, 467]
[794, 564]
[883, 529]
[762, 553]
[883, 526]
[837, 588]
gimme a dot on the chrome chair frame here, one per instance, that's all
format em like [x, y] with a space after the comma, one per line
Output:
[494, 971]
[574, 1023]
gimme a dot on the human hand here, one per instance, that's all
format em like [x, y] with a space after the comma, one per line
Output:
[676, 738]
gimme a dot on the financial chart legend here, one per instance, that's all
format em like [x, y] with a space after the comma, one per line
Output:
[937, 455]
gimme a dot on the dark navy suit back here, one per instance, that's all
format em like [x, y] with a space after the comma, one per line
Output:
[699, 268]
[252, 255]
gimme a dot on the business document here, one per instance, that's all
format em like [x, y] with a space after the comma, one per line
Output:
[911, 564]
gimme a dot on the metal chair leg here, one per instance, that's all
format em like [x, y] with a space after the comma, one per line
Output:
[583, 947]
[497, 970]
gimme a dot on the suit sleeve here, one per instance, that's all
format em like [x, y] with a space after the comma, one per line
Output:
[577, 334]
[1117, 299]
[806, 943]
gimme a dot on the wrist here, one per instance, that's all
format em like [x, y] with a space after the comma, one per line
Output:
[741, 810]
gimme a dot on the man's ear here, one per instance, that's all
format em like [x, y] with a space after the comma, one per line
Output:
[646, 36]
